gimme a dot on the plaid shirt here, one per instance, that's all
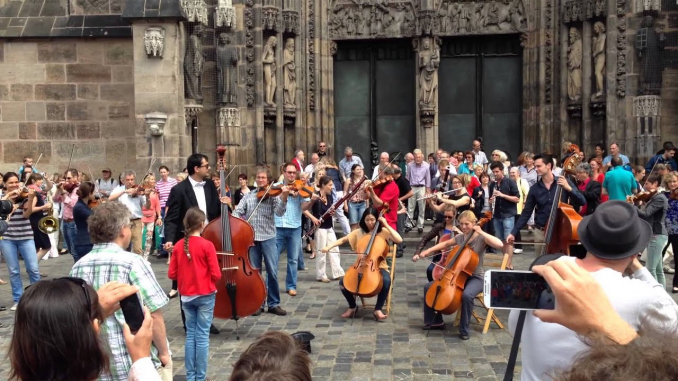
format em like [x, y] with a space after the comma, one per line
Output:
[109, 262]
[292, 217]
[262, 222]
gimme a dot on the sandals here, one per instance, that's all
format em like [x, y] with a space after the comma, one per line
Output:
[312, 255]
[2, 282]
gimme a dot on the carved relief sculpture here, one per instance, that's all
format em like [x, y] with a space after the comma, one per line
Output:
[268, 60]
[227, 70]
[154, 41]
[196, 11]
[224, 14]
[289, 75]
[429, 60]
[194, 61]
[649, 45]
[599, 57]
[574, 59]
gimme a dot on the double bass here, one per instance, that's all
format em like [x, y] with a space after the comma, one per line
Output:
[445, 293]
[241, 290]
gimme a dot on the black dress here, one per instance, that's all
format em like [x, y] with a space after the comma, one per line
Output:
[41, 239]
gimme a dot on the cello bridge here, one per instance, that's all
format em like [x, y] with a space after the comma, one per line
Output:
[230, 268]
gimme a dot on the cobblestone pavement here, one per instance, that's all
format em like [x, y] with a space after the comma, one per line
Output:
[363, 349]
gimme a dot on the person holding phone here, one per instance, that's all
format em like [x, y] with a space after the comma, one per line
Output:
[194, 265]
[474, 284]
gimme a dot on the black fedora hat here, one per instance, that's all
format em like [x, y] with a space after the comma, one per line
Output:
[614, 231]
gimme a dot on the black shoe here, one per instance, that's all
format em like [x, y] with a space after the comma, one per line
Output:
[463, 337]
[440, 327]
[399, 255]
[259, 312]
[407, 230]
[420, 230]
[162, 256]
[277, 311]
[214, 330]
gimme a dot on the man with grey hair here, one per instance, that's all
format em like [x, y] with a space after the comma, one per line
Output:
[298, 160]
[134, 199]
[419, 177]
[384, 158]
[109, 229]
[310, 169]
[347, 163]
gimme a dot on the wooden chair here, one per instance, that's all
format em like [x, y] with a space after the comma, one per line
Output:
[490, 260]
[392, 257]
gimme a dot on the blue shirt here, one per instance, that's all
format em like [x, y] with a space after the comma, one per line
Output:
[292, 217]
[463, 168]
[619, 183]
[608, 159]
[81, 213]
[346, 165]
[659, 159]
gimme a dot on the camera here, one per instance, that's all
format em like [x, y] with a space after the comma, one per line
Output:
[6, 208]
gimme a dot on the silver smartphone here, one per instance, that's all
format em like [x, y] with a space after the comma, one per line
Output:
[517, 290]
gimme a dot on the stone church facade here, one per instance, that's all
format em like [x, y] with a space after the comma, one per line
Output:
[119, 82]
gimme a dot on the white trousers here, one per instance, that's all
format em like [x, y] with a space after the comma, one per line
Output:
[324, 237]
[340, 216]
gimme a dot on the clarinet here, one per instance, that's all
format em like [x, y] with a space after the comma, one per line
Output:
[494, 197]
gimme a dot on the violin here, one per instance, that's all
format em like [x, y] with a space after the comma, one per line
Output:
[269, 191]
[445, 293]
[69, 187]
[644, 196]
[140, 191]
[304, 190]
[94, 202]
[379, 183]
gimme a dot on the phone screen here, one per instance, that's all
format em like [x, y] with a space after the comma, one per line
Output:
[133, 312]
[522, 290]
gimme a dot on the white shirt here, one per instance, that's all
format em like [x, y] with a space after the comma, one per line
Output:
[134, 204]
[640, 300]
[199, 189]
[481, 158]
[309, 168]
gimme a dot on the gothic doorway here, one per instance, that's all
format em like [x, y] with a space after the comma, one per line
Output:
[480, 93]
[374, 95]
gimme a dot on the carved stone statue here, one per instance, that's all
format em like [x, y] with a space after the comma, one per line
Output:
[268, 60]
[194, 61]
[429, 60]
[289, 75]
[227, 70]
[599, 57]
[574, 59]
[649, 45]
[154, 41]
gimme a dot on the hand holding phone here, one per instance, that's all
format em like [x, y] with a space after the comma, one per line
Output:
[139, 344]
[517, 290]
[133, 312]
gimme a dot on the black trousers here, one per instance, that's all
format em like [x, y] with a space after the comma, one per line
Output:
[673, 241]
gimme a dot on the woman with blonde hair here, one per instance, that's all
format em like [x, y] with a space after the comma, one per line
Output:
[501, 157]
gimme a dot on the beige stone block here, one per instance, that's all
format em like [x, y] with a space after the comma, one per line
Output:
[116, 153]
[13, 111]
[55, 92]
[119, 53]
[56, 131]
[19, 92]
[4, 92]
[117, 129]
[57, 51]
[86, 111]
[122, 73]
[9, 130]
[119, 111]
[36, 111]
[171, 145]
[90, 52]
[28, 130]
[144, 146]
[185, 146]
[117, 92]
[2, 51]
[87, 130]
[83, 154]
[174, 124]
[56, 111]
[152, 102]
[56, 73]
[88, 92]
[14, 151]
[145, 83]
[88, 73]
[140, 125]
[167, 83]
[21, 52]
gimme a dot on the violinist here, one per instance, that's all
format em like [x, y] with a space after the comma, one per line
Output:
[671, 221]
[654, 212]
[81, 212]
[474, 284]
[66, 194]
[404, 193]
[259, 213]
[438, 231]
[385, 231]
[134, 198]
[332, 171]
[384, 191]
[325, 234]
[540, 198]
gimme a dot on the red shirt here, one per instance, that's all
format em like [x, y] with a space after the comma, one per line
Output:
[389, 195]
[197, 276]
[472, 185]
[600, 179]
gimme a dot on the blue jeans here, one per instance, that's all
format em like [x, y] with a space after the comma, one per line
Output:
[267, 252]
[381, 296]
[162, 234]
[199, 313]
[10, 250]
[69, 237]
[503, 227]
[355, 211]
[290, 239]
[473, 287]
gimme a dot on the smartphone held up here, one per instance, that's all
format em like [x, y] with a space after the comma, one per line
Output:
[517, 290]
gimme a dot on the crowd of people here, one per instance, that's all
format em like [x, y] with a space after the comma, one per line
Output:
[112, 227]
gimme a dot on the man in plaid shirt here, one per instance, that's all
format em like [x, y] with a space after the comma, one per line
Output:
[109, 228]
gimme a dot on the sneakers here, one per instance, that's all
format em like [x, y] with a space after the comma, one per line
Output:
[517, 251]
[324, 280]
[669, 270]
[277, 311]
[14, 307]
[172, 294]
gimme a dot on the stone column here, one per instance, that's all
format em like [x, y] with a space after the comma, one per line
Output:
[427, 57]
[647, 112]
[582, 136]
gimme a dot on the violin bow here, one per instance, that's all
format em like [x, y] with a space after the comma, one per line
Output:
[37, 161]
[149, 171]
[96, 187]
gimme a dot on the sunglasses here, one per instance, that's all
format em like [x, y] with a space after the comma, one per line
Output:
[77, 281]
[291, 172]
[449, 217]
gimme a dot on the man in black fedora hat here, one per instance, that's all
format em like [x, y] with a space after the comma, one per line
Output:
[613, 236]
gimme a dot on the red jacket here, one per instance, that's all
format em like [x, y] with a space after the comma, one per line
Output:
[199, 275]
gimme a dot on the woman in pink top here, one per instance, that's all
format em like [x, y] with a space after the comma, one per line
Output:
[151, 214]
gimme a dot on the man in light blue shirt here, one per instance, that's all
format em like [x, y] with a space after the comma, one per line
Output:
[619, 183]
[614, 152]
[288, 230]
[348, 162]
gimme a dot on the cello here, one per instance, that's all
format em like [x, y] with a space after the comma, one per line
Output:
[445, 293]
[364, 277]
[241, 290]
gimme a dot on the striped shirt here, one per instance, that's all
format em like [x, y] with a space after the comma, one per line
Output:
[292, 217]
[262, 222]
[19, 228]
[164, 188]
[109, 262]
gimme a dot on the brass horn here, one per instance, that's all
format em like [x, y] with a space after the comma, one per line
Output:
[48, 224]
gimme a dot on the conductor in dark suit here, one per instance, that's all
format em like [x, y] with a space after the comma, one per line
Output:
[197, 190]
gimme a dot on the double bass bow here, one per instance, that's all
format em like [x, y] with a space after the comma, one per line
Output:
[241, 290]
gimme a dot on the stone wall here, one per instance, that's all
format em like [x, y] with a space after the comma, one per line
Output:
[54, 94]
